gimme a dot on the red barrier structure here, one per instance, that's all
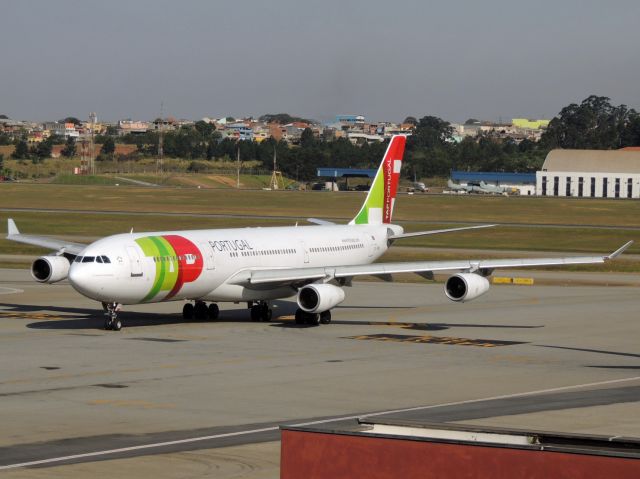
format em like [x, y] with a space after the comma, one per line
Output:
[412, 451]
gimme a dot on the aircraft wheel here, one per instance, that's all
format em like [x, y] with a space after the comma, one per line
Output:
[300, 319]
[107, 324]
[117, 325]
[200, 311]
[187, 311]
[266, 314]
[313, 319]
[255, 313]
[325, 317]
[214, 311]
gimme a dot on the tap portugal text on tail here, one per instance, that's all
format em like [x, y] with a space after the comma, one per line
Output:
[257, 265]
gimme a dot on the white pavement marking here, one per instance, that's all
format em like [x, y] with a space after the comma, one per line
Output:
[310, 423]
[4, 290]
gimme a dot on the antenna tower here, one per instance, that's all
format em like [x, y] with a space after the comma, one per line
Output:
[277, 183]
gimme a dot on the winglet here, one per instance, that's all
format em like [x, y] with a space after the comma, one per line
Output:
[619, 251]
[12, 229]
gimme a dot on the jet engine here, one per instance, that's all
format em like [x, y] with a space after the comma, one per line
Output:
[317, 298]
[50, 269]
[465, 286]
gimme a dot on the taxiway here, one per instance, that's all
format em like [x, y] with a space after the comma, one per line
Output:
[168, 398]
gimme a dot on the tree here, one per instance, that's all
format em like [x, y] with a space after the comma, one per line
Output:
[43, 150]
[1, 162]
[69, 149]
[109, 146]
[71, 119]
[594, 124]
[282, 118]
[22, 150]
[307, 138]
[204, 128]
[410, 120]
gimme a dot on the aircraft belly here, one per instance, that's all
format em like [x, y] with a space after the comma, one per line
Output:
[234, 292]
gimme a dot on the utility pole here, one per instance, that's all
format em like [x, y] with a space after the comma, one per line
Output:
[93, 117]
[238, 166]
[160, 142]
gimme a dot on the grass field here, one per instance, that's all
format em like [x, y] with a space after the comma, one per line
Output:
[558, 223]
[415, 208]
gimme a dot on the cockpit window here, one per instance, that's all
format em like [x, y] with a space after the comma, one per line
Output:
[78, 259]
[88, 259]
[105, 259]
[98, 259]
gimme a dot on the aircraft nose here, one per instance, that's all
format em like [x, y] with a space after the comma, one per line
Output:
[82, 280]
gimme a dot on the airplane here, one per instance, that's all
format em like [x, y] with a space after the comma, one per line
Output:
[258, 265]
[466, 188]
[498, 190]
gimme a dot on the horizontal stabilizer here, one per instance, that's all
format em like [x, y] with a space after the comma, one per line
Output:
[435, 232]
[320, 222]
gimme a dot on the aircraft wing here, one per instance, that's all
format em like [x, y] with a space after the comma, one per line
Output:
[55, 244]
[300, 276]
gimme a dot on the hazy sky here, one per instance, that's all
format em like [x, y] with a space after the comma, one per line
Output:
[386, 60]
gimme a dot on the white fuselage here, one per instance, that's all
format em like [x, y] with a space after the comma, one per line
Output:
[199, 264]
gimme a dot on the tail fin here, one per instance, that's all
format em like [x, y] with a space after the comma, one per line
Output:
[378, 207]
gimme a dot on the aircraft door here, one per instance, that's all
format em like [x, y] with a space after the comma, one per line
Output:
[207, 255]
[305, 252]
[369, 244]
[134, 260]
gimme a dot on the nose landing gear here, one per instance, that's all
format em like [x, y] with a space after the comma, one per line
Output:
[111, 322]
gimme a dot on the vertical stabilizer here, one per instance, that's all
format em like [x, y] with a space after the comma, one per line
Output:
[378, 207]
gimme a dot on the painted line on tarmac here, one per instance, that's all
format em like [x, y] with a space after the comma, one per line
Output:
[5, 290]
[107, 452]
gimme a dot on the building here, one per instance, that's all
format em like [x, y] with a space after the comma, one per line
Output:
[126, 127]
[65, 130]
[527, 124]
[590, 174]
[350, 120]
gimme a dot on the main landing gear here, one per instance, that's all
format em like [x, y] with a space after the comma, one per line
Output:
[260, 311]
[111, 322]
[312, 319]
[200, 311]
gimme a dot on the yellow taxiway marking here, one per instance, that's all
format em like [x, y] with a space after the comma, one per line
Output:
[508, 280]
[21, 315]
[428, 339]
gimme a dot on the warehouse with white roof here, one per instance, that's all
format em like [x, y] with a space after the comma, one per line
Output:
[590, 174]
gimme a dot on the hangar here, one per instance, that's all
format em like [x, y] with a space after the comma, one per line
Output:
[590, 174]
